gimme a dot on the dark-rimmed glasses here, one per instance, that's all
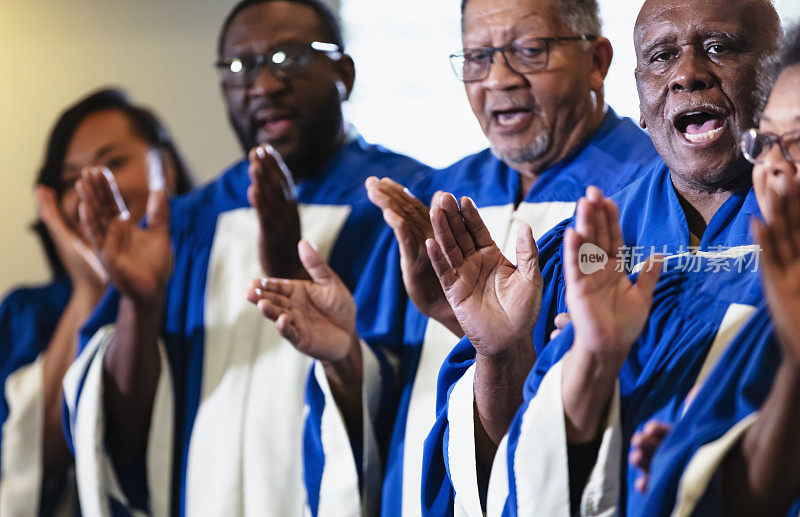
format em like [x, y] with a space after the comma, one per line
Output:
[284, 61]
[524, 56]
[756, 145]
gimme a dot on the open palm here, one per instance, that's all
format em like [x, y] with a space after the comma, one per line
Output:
[138, 260]
[317, 316]
[608, 311]
[495, 302]
[779, 240]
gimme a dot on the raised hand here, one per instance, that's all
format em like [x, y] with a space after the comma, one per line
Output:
[271, 193]
[138, 260]
[410, 220]
[607, 310]
[82, 265]
[317, 316]
[495, 302]
[608, 313]
[779, 239]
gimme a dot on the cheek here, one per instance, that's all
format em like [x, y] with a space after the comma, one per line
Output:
[477, 99]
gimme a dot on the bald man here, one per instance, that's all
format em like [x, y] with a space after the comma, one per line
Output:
[698, 64]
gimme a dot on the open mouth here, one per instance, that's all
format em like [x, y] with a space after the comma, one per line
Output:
[512, 118]
[700, 126]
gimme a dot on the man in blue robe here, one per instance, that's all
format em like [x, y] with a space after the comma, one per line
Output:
[540, 103]
[699, 200]
[190, 403]
[734, 450]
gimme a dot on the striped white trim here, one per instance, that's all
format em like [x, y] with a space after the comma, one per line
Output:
[245, 452]
[461, 446]
[21, 476]
[339, 494]
[704, 464]
[498, 481]
[97, 480]
[541, 472]
[734, 319]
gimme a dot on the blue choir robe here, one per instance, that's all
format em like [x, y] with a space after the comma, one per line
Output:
[683, 472]
[28, 319]
[652, 221]
[693, 320]
[227, 422]
[618, 153]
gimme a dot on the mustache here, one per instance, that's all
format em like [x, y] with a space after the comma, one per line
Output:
[704, 106]
[509, 102]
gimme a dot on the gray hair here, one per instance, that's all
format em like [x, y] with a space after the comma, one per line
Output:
[579, 16]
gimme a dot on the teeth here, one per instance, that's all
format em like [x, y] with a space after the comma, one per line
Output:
[702, 137]
[509, 119]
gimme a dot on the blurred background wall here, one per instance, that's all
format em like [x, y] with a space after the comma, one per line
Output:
[161, 51]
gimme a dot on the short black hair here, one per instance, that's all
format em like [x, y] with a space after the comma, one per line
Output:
[144, 124]
[329, 20]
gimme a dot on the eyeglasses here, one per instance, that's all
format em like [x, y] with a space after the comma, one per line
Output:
[524, 56]
[284, 61]
[756, 145]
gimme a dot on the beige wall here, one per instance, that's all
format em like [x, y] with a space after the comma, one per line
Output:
[56, 51]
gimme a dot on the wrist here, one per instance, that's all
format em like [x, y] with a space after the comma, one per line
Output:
[342, 370]
[587, 386]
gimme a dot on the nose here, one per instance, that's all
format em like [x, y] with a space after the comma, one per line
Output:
[691, 73]
[266, 84]
[776, 164]
[502, 76]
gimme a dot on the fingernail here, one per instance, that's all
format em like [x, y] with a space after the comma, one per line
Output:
[260, 152]
[408, 193]
[264, 282]
[313, 245]
[259, 292]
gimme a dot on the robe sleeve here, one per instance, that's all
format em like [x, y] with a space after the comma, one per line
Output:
[103, 488]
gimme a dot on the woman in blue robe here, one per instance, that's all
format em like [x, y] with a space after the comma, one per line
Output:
[39, 324]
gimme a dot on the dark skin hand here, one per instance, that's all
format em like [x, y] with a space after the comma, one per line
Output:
[318, 317]
[496, 304]
[762, 474]
[608, 314]
[410, 220]
[701, 57]
[139, 262]
[89, 280]
[271, 193]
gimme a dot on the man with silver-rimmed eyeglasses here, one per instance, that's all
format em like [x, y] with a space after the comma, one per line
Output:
[189, 403]
[551, 135]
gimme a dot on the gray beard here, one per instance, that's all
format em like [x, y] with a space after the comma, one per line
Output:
[531, 153]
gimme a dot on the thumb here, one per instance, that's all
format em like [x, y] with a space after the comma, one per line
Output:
[648, 277]
[157, 210]
[317, 269]
[527, 252]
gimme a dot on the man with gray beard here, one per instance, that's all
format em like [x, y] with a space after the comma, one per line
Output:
[533, 72]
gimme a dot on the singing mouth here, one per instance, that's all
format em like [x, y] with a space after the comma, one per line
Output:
[700, 125]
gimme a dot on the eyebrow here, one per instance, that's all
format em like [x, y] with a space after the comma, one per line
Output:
[106, 149]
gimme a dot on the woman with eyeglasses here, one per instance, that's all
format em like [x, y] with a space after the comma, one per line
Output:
[39, 325]
[735, 451]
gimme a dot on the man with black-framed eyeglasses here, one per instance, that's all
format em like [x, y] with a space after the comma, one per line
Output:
[188, 402]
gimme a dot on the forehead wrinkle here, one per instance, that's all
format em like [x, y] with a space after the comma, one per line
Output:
[732, 16]
[493, 23]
